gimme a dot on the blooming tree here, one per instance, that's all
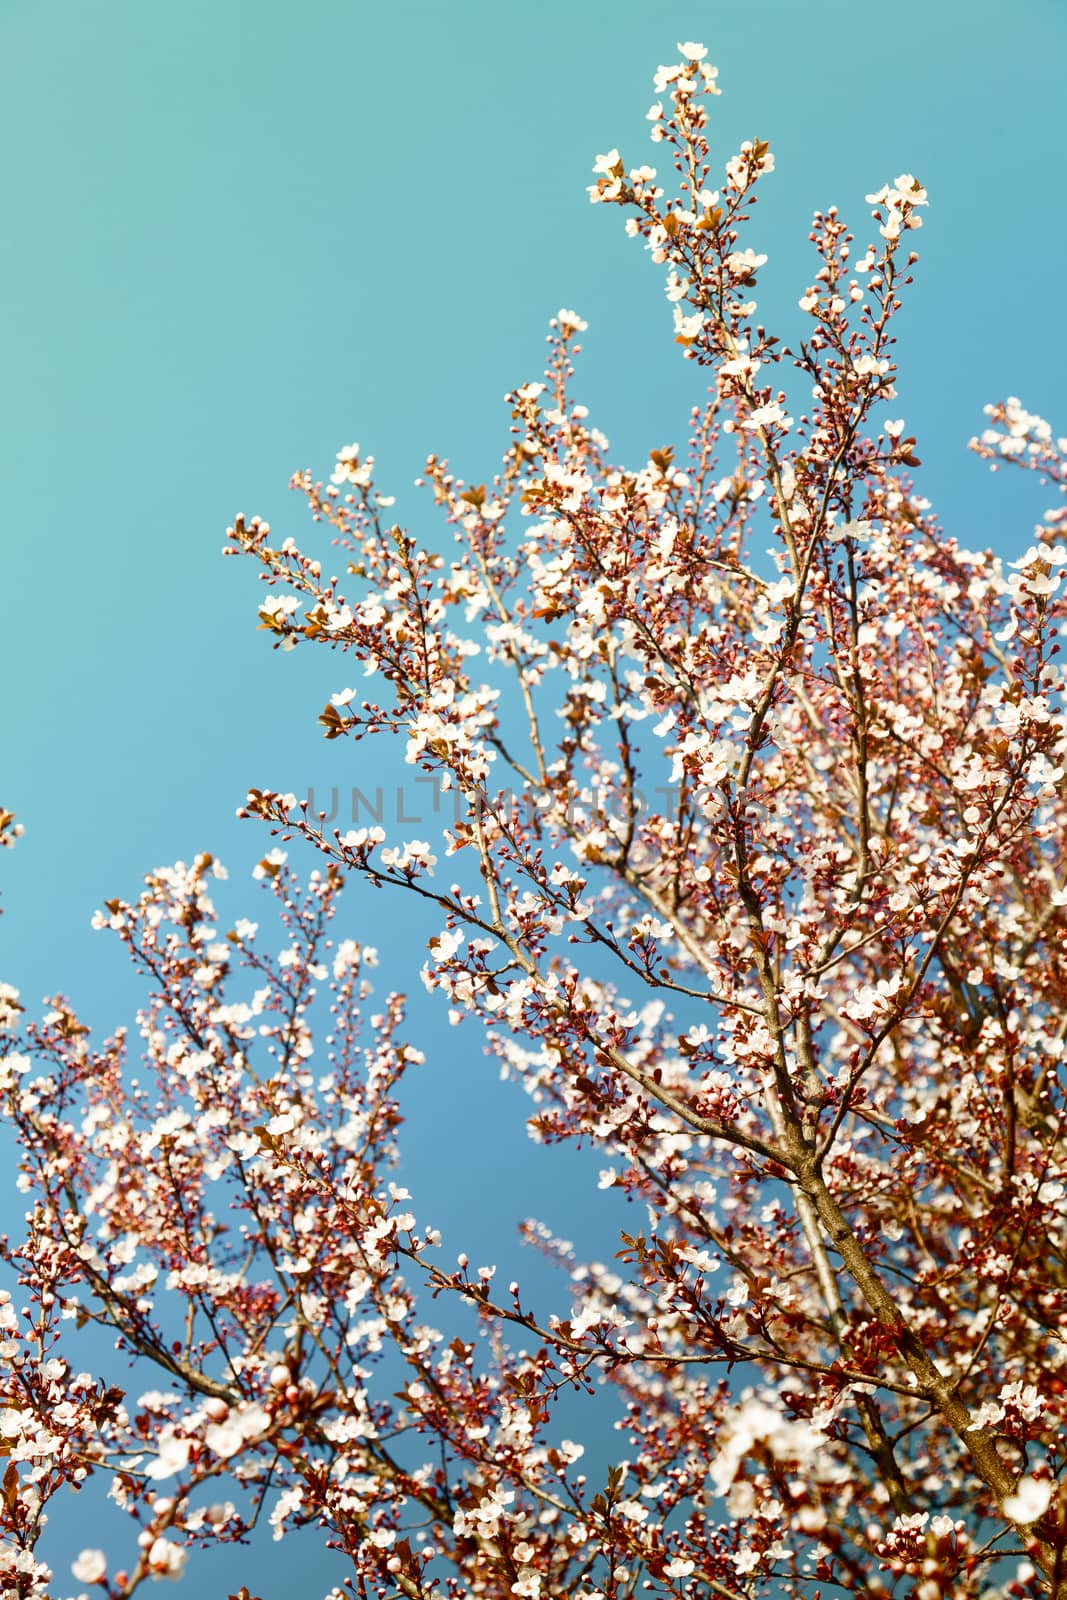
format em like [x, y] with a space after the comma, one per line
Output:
[755, 876]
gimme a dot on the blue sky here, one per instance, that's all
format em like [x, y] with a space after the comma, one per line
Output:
[242, 235]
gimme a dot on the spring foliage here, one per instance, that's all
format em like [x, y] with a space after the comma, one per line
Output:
[756, 878]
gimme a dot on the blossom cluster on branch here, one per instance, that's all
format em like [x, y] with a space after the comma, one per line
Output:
[757, 882]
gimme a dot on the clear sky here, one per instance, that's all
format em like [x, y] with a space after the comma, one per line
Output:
[242, 233]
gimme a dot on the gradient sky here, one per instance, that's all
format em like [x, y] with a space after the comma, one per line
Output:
[240, 235]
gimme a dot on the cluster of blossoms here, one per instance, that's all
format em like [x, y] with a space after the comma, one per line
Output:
[764, 896]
